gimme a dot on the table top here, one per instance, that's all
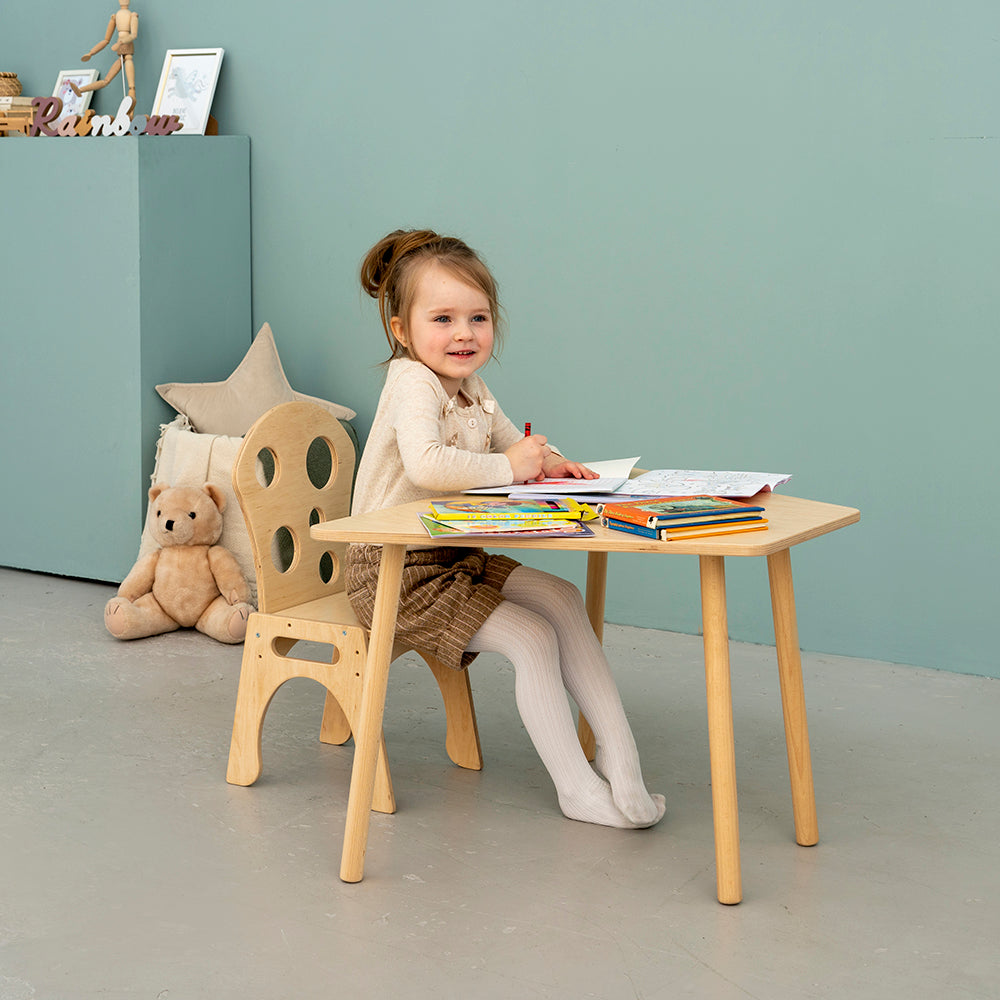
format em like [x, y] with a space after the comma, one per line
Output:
[791, 520]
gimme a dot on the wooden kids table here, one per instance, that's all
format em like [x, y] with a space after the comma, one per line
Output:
[791, 520]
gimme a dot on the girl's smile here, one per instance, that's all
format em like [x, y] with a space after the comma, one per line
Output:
[450, 327]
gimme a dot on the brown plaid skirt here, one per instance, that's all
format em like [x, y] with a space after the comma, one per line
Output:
[445, 597]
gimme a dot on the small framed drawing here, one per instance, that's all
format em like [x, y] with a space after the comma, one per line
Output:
[73, 105]
[187, 86]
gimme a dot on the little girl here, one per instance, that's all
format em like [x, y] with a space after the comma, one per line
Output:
[438, 430]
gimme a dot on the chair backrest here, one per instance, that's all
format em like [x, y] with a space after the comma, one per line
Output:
[295, 468]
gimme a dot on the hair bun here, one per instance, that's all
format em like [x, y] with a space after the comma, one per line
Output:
[380, 263]
[377, 265]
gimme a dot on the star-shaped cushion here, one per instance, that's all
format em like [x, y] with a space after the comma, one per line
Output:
[232, 406]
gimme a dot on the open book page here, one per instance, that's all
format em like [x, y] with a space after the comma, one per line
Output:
[690, 482]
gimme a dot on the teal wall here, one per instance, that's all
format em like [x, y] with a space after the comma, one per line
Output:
[730, 235]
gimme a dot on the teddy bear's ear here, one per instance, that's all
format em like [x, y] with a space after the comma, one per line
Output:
[218, 497]
[155, 491]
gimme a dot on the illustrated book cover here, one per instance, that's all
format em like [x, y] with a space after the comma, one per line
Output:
[537, 528]
[661, 510]
[508, 510]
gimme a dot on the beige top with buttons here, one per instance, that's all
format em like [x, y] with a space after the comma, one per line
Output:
[424, 444]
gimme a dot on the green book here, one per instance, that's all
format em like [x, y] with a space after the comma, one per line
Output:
[507, 510]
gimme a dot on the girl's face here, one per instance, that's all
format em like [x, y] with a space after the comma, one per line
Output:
[450, 327]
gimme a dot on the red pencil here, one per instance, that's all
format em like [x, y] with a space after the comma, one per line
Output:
[527, 429]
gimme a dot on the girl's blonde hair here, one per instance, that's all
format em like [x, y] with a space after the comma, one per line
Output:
[390, 269]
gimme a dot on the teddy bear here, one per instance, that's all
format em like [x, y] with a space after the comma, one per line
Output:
[189, 581]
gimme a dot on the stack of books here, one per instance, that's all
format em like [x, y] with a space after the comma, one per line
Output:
[671, 519]
[511, 518]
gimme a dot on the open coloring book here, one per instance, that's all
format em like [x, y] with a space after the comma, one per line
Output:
[691, 482]
[656, 483]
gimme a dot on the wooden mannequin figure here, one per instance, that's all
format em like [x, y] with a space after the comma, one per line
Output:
[126, 23]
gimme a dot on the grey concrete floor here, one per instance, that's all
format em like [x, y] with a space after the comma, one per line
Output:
[131, 869]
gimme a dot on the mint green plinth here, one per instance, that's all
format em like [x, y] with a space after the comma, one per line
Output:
[124, 263]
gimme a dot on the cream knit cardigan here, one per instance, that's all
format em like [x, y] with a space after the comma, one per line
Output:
[424, 444]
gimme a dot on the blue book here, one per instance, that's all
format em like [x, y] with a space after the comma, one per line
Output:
[632, 529]
[694, 529]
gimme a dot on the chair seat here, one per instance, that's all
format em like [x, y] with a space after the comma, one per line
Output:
[331, 608]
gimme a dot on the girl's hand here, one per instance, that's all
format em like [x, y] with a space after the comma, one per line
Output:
[556, 467]
[526, 458]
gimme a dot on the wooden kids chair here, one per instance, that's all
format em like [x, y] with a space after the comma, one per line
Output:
[295, 468]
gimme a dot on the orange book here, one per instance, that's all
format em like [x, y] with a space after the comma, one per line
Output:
[680, 534]
[663, 512]
[700, 530]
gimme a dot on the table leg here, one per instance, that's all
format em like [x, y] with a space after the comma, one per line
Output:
[793, 700]
[597, 576]
[721, 743]
[366, 739]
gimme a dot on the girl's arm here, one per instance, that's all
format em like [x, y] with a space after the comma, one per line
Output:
[429, 463]
[554, 465]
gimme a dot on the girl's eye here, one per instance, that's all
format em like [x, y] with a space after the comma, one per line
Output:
[442, 319]
[481, 319]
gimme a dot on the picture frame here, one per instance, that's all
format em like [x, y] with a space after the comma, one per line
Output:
[187, 87]
[73, 105]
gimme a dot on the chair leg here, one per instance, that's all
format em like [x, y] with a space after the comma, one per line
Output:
[334, 729]
[256, 689]
[344, 680]
[462, 735]
[263, 671]
[383, 799]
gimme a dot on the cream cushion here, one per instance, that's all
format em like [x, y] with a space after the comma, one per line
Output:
[186, 458]
[231, 407]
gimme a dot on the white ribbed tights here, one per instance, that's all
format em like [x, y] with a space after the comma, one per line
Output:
[543, 629]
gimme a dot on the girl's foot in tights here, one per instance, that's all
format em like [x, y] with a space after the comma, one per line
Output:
[543, 630]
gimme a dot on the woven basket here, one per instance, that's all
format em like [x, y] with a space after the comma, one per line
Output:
[10, 86]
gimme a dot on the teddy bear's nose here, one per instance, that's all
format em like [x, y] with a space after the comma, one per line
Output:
[169, 525]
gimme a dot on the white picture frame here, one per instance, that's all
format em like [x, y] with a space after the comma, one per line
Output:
[187, 86]
[73, 105]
